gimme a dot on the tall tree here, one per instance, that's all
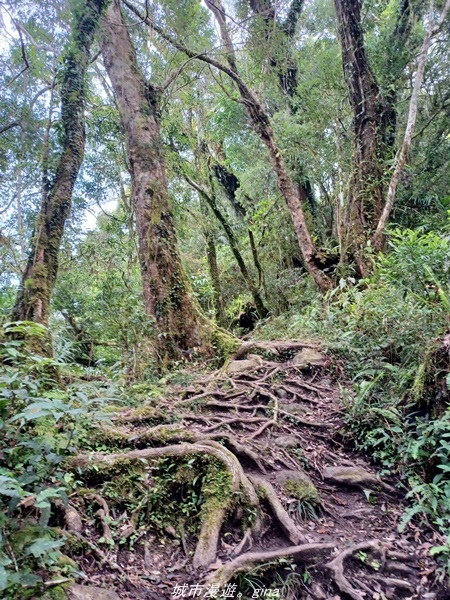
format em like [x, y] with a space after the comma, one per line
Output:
[33, 298]
[402, 156]
[179, 325]
[371, 115]
[260, 122]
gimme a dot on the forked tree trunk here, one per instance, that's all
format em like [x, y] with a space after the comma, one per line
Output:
[365, 194]
[166, 291]
[33, 299]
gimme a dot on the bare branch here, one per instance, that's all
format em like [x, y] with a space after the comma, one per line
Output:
[41, 47]
[412, 116]
[9, 126]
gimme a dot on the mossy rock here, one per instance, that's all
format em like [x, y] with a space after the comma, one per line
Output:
[245, 365]
[298, 485]
[150, 412]
[309, 357]
[148, 389]
[58, 592]
[287, 441]
[75, 545]
[354, 477]
[225, 343]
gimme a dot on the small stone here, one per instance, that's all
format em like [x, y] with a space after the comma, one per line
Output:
[247, 365]
[90, 592]
[287, 441]
[294, 409]
[309, 357]
[350, 476]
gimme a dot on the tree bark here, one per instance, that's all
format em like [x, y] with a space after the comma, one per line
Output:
[211, 200]
[261, 125]
[213, 267]
[166, 291]
[230, 184]
[365, 194]
[411, 122]
[33, 298]
[263, 128]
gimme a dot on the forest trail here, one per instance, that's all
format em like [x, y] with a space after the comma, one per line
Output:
[260, 442]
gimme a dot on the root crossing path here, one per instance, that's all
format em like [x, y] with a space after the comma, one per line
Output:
[241, 486]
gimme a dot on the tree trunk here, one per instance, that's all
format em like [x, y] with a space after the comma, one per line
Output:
[213, 267]
[33, 299]
[166, 291]
[260, 123]
[211, 200]
[365, 194]
[230, 184]
[411, 122]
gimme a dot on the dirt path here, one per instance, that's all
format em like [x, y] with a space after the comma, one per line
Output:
[284, 509]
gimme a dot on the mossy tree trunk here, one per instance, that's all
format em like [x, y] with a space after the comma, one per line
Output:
[213, 267]
[33, 299]
[260, 122]
[211, 200]
[371, 118]
[179, 325]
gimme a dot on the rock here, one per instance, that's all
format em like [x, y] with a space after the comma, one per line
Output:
[308, 357]
[90, 592]
[73, 520]
[287, 441]
[350, 476]
[298, 485]
[294, 409]
[247, 365]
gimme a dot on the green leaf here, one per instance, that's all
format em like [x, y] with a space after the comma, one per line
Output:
[43, 546]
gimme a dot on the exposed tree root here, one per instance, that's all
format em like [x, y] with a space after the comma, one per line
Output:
[104, 560]
[266, 491]
[336, 566]
[242, 429]
[216, 503]
[250, 560]
[274, 347]
[247, 539]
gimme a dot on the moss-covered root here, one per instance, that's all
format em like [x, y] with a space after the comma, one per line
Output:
[213, 516]
[250, 560]
[224, 478]
[219, 491]
[267, 493]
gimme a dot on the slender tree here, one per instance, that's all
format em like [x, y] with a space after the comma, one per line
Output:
[370, 118]
[401, 158]
[33, 298]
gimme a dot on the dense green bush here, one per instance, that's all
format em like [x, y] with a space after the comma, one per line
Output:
[39, 423]
[388, 332]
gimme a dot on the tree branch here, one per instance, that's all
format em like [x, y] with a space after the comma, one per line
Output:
[9, 126]
[411, 122]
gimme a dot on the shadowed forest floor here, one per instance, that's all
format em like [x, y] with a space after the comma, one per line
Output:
[243, 483]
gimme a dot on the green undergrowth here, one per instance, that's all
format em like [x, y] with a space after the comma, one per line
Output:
[387, 334]
[42, 422]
